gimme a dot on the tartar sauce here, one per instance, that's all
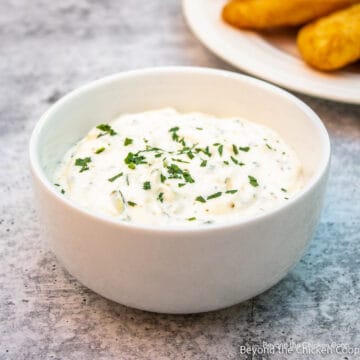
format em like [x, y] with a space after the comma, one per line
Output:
[164, 168]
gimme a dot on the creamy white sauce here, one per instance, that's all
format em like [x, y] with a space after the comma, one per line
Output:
[164, 168]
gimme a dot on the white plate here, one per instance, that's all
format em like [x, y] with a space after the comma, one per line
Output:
[273, 56]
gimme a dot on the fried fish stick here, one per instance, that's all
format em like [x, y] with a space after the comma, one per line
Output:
[333, 41]
[263, 14]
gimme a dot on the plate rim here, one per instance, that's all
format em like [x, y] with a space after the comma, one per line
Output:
[211, 44]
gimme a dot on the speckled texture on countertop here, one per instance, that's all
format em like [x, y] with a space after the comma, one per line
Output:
[50, 47]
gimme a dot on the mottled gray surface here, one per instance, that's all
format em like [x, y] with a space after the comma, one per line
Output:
[50, 47]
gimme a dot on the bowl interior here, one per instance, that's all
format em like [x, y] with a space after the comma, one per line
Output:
[186, 89]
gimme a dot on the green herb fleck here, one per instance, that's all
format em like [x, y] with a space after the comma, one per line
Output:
[234, 160]
[268, 146]
[192, 218]
[181, 184]
[147, 185]
[174, 135]
[131, 203]
[203, 163]
[99, 150]
[206, 151]
[57, 184]
[284, 190]
[134, 159]
[190, 155]
[200, 199]
[107, 129]
[62, 191]
[253, 181]
[226, 162]
[162, 178]
[115, 177]
[83, 163]
[161, 197]
[176, 173]
[213, 196]
[128, 141]
[231, 191]
[246, 148]
[220, 150]
[199, 128]
[235, 150]
[180, 160]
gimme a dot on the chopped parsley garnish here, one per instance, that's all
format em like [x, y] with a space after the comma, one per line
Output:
[231, 191]
[181, 161]
[213, 196]
[158, 155]
[203, 163]
[284, 190]
[174, 134]
[190, 155]
[200, 199]
[83, 163]
[147, 185]
[62, 191]
[176, 173]
[187, 177]
[246, 148]
[234, 160]
[226, 162]
[181, 184]
[56, 184]
[131, 203]
[206, 151]
[161, 197]
[253, 181]
[220, 150]
[107, 129]
[134, 159]
[162, 178]
[268, 146]
[199, 128]
[192, 218]
[235, 150]
[151, 148]
[99, 150]
[128, 141]
[115, 177]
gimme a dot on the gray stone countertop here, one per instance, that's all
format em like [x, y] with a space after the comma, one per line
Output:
[48, 48]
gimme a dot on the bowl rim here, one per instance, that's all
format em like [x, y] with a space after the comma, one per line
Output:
[38, 172]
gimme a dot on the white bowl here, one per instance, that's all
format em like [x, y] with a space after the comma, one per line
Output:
[176, 270]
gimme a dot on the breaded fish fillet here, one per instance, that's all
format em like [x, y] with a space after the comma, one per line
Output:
[263, 14]
[333, 41]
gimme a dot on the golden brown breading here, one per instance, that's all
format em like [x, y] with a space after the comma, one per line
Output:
[263, 14]
[333, 41]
